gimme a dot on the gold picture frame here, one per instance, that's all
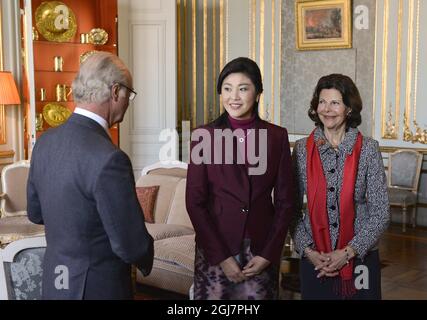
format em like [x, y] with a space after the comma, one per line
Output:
[323, 24]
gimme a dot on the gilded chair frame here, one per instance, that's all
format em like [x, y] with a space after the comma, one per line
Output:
[413, 189]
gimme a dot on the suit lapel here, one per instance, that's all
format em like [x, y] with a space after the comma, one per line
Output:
[255, 180]
[240, 172]
[237, 171]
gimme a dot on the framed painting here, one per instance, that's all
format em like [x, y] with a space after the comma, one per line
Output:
[323, 24]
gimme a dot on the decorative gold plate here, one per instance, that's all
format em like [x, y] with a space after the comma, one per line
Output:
[55, 114]
[86, 55]
[98, 36]
[56, 21]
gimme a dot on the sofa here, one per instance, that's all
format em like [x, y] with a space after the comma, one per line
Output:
[173, 233]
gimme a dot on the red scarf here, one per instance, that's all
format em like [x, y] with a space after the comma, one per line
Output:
[316, 195]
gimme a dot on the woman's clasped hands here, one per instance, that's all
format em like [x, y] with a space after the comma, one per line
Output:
[329, 264]
[235, 274]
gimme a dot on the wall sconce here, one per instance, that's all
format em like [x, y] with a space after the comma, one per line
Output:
[8, 91]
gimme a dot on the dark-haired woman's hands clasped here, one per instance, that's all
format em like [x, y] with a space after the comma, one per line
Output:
[232, 270]
[255, 266]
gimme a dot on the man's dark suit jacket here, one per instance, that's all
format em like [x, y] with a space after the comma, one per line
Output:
[82, 188]
[226, 204]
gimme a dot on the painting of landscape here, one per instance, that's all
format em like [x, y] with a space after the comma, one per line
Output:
[323, 23]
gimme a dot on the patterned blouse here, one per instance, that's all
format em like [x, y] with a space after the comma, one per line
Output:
[372, 211]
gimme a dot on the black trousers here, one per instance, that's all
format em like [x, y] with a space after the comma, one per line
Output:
[366, 276]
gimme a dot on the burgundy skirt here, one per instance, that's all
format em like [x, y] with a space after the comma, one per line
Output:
[210, 282]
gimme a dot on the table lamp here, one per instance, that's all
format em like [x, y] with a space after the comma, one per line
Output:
[8, 91]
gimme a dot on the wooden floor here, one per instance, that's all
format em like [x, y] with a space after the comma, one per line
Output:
[404, 259]
[403, 265]
[404, 268]
[150, 293]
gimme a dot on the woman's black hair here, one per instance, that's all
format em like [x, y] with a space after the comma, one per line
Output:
[350, 96]
[251, 70]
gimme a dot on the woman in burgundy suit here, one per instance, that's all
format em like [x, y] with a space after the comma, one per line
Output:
[240, 230]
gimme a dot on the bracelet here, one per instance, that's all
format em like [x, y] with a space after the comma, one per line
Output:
[347, 253]
[307, 251]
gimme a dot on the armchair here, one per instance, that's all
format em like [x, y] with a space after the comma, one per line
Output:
[14, 223]
[21, 269]
[14, 187]
[403, 177]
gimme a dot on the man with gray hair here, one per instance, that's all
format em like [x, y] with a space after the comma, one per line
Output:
[82, 188]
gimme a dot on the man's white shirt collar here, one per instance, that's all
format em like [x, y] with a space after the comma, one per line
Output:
[89, 114]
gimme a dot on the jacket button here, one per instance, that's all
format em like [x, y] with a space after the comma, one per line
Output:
[332, 171]
[332, 207]
[335, 224]
[331, 189]
[244, 210]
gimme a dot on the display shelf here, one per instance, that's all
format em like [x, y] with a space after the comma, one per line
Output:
[55, 43]
[53, 71]
[43, 56]
[67, 103]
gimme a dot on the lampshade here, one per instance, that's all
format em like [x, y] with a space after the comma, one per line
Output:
[8, 91]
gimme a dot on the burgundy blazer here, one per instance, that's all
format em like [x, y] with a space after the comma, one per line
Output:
[225, 204]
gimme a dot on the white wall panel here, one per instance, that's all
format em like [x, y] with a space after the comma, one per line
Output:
[148, 47]
[147, 43]
[145, 6]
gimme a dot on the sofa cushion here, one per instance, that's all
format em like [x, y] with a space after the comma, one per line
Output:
[176, 250]
[161, 231]
[178, 212]
[168, 277]
[166, 193]
[173, 265]
[147, 199]
[174, 172]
